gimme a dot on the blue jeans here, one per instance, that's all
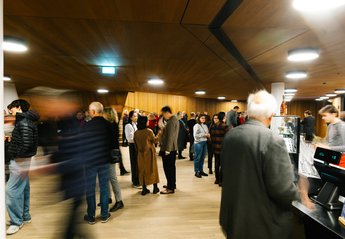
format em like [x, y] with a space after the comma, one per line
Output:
[200, 153]
[18, 193]
[103, 178]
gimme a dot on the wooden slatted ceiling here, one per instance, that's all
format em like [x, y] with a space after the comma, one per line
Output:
[264, 35]
[67, 52]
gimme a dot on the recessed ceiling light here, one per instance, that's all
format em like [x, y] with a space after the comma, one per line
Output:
[14, 44]
[303, 54]
[339, 91]
[318, 99]
[331, 94]
[7, 78]
[296, 74]
[324, 97]
[316, 5]
[200, 92]
[155, 82]
[221, 97]
[234, 101]
[102, 91]
[289, 94]
[288, 100]
[286, 97]
[108, 70]
[290, 90]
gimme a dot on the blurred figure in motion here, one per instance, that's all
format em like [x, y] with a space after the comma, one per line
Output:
[111, 116]
[9, 121]
[125, 120]
[22, 147]
[144, 139]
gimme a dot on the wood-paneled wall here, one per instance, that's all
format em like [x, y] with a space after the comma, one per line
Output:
[50, 105]
[298, 108]
[152, 102]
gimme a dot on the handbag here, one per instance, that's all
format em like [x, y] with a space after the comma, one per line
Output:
[115, 156]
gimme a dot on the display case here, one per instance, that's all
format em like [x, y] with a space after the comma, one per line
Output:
[288, 127]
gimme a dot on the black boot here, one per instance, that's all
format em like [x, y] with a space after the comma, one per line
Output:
[118, 205]
[155, 189]
[145, 191]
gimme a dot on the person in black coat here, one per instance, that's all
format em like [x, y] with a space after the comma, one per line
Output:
[191, 122]
[23, 145]
[182, 135]
[96, 146]
[308, 125]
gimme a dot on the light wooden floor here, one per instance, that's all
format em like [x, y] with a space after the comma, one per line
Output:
[192, 212]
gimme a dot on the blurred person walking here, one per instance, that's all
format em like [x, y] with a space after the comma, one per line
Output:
[231, 117]
[144, 139]
[201, 135]
[125, 119]
[258, 186]
[308, 126]
[22, 147]
[130, 129]
[168, 148]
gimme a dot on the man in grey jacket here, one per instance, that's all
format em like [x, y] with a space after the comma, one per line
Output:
[258, 185]
[231, 117]
[168, 148]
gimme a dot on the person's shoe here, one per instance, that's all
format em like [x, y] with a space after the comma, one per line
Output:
[137, 186]
[105, 219]
[118, 205]
[145, 191]
[110, 201]
[13, 229]
[167, 191]
[216, 182]
[198, 175]
[210, 171]
[89, 220]
[155, 190]
[219, 184]
[203, 174]
[181, 157]
[123, 172]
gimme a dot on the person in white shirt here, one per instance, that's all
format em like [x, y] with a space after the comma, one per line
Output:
[130, 128]
[201, 134]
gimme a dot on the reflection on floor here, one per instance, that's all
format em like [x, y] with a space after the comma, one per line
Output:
[192, 212]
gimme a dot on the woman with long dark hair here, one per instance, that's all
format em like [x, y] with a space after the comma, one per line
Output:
[201, 134]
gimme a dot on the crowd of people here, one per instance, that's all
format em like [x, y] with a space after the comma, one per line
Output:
[242, 154]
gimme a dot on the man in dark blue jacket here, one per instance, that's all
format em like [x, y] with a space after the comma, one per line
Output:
[22, 147]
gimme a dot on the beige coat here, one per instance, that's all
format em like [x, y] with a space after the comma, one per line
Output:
[147, 163]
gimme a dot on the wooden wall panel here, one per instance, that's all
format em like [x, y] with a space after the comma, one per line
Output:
[152, 102]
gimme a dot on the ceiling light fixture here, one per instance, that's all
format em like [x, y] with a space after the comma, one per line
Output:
[318, 99]
[7, 78]
[289, 94]
[234, 101]
[290, 90]
[200, 92]
[316, 5]
[14, 44]
[221, 97]
[331, 94]
[102, 91]
[324, 97]
[339, 91]
[155, 82]
[303, 54]
[296, 75]
[108, 70]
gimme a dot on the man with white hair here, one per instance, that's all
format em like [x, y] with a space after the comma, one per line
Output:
[258, 185]
[96, 146]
